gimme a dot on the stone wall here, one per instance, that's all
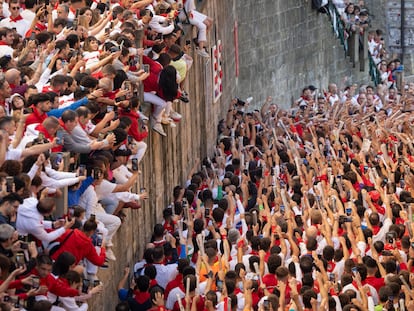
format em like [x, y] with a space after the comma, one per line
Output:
[169, 159]
[284, 46]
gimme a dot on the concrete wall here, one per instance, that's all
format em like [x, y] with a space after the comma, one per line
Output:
[284, 46]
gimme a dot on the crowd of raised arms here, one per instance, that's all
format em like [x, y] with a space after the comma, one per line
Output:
[70, 118]
[302, 209]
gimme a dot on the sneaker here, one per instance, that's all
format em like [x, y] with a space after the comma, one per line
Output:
[158, 128]
[142, 116]
[166, 120]
[175, 116]
[172, 124]
[184, 98]
[110, 254]
[202, 53]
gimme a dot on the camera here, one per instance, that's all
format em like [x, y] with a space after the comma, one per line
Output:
[390, 237]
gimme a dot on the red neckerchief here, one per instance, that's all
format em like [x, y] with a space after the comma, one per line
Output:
[141, 297]
[40, 26]
[48, 88]
[331, 266]
[375, 229]
[3, 42]
[62, 124]
[16, 19]
[72, 10]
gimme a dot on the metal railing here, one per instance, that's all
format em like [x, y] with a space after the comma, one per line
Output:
[338, 25]
[341, 33]
[373, 70]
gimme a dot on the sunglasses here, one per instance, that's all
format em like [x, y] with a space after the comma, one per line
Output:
[15, 8]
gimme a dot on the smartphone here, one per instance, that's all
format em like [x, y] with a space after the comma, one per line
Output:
[71, 213]
[109, 108]
[101, 136]
[134, 165]
[24, 245]
[128, 86]
[59, 136]
[187, 42]
[47, 2]
[266, 304]
[146, 68]
[82, 170]
[348, 211]
[59, 158]
[28, 110]
[75, 23]
[92, 217]
[206, 212]
[354, 270]
[96, 283]
[130, 139]
[254, 214]
[142, 190]
[6, 298]
[20, 261]
[122, 98]
[9, 183]
[99, 239]
[85, 286]
[219, 285]
[32, 36]
[107, 31]
[332, 277]
[97, 173]
[340, 153]
[35, 282]
[282, 209]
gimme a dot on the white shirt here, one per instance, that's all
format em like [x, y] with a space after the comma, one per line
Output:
[22, 26]
[28, 15]
[30, 221]
[165, 273]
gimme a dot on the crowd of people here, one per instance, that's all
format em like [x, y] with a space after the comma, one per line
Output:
[308, 208]
[70, 118]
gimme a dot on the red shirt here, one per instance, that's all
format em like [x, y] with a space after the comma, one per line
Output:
[269, 280]
[135, 130]
[177, 282]
[80, 245]
[35, 117]
[200, 304]
[377, 283]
